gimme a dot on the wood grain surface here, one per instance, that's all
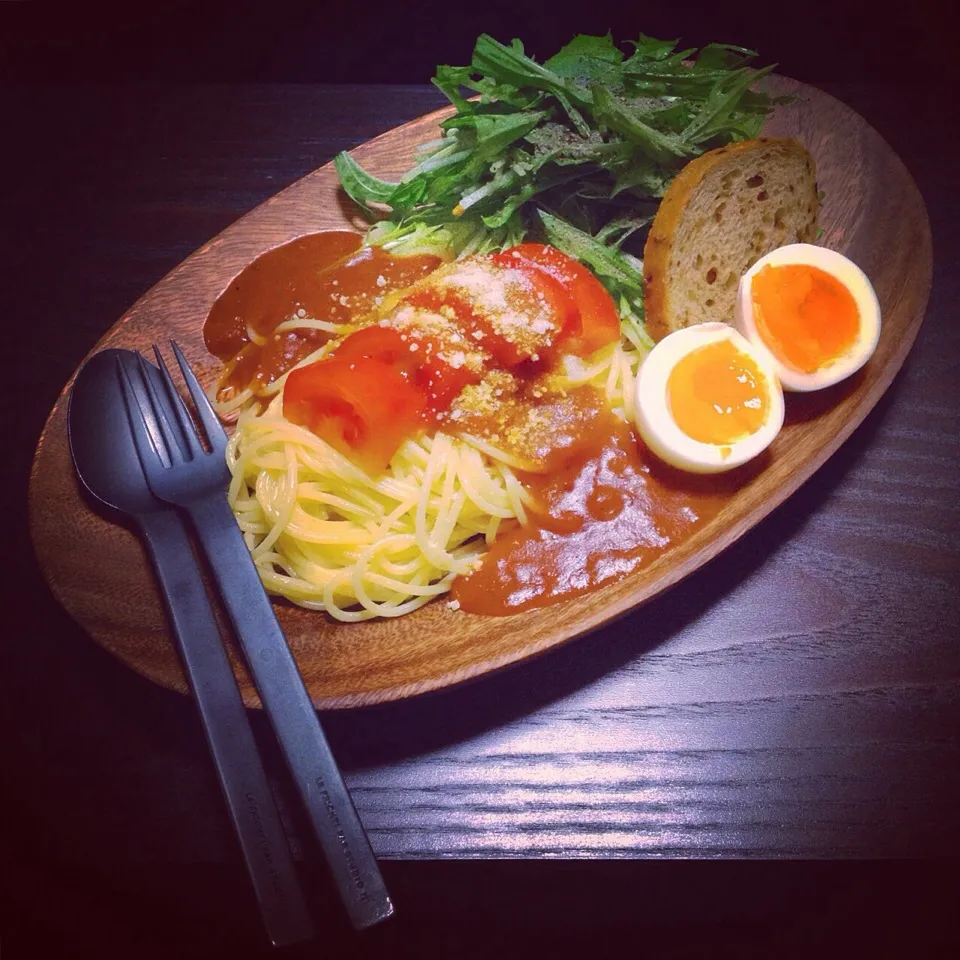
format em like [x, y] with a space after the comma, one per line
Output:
[872, 212]
[799, 696]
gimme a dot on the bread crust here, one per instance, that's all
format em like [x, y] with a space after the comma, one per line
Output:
[659, 248]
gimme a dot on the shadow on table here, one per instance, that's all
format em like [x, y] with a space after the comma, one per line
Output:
[397, 731]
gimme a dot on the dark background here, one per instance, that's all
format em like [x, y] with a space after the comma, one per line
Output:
[49, 57]
[372, 41]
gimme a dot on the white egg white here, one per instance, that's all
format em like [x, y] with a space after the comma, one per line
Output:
[847, 273]
[655, 422]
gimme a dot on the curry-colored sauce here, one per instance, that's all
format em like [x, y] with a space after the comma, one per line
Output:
[605, 510]
[324, 276]
[523, 418]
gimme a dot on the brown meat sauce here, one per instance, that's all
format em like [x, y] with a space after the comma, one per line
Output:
[323, 276]
[603, 511]
[603, 508]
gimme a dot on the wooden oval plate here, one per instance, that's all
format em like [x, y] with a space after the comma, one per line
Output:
[872, 212]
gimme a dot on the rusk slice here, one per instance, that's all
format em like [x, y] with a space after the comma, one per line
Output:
[722, 213]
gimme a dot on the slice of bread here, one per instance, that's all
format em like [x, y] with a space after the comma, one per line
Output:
[722, 213]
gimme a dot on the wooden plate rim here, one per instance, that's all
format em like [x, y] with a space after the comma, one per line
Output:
[586, 624]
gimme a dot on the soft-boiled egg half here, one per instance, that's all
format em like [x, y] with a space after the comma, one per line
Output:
[707, 400]
[813, 313]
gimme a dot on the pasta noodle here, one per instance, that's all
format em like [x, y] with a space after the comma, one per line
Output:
[327, 536]
[323, 532]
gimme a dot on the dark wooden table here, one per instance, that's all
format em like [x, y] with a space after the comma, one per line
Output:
[797, 698]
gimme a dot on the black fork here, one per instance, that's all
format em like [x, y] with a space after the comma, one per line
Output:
[181, 471]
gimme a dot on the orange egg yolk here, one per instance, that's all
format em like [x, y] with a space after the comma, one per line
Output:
[804, 315]
[717, 394]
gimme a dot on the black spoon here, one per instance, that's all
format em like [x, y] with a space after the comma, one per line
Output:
[106, 461]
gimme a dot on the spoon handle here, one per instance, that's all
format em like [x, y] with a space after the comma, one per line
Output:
[227, 728]
[287, 704]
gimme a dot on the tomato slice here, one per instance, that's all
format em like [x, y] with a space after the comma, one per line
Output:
[470, 322]
[552, 290]
[535, 294]
[439, 382]
[442, 384]
[363, 407]
[376, 343]
[598, 323]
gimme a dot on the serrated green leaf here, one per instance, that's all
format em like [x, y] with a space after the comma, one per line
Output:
[618, 116]
[495, 132]
[408, 195]
[589, 136]
[721, 102]
[585, 45]
[449, 80]
[607, 263]
[651, 180]
[363, 188]
[588, 58]
[511, 65]
[648, 48]
[526, 192]
[617, 231]
[723, 56]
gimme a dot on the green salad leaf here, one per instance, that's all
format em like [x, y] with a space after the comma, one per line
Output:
[576, 150]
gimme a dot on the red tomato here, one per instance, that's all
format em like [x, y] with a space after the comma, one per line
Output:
[363, 407]
[469, 322]
[537, 293]
[552, 290]
[599, 322]
[440, 383]
[375, 343]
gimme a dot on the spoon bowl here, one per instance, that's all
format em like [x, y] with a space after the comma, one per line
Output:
[101, 444]
[106, 461]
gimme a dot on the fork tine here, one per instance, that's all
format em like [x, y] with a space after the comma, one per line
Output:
[184, 421]
[175, 451]
[208, 417]
[143, 438]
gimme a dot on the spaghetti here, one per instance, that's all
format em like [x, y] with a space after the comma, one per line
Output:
[328, 535]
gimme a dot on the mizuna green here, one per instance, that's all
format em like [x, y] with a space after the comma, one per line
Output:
[576, 151]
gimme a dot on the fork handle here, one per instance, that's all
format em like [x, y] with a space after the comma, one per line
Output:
[227, 729]
[293, 715]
